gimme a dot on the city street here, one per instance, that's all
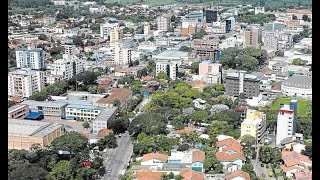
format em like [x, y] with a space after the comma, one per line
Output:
[118, 158]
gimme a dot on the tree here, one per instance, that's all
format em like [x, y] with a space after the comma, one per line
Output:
[211, 163]
[136, 63]
[248, 168]
[198, 116]
[73, 142]
[219, 127]
[86, 125]
[308, 151]
[195, 67]
[305, 127]
[27, 171]
[77, 40]
[178, 177]
[109, 141]
[149, 123]
[296, 38]
[43, 37]
[305, 17]
[185, 49]
[299, 62]
[183, 147]
[119, 125]
[125, 176]
[62, 170]
[279, 53]
[267, 154]
[86, 173]
[116, 102]
[294, 17]
[248, 140]
[162, 75]
[229, 116]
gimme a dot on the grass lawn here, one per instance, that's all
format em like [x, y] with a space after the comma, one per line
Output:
[137, 163]
[278, 174]
[302, 104]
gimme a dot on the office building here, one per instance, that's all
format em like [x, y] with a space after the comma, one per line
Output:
[84, 112]
[116, 35]
[252, 37]
[211, 72]
[254, 124]
[55, 109]
[163, 22]
[230, 24]
[237, 83]
[167, 66]
[106, 28]
[67, 67]
[195, 15]
[22, 134]
[30, 58]
[18, 111]
[286, 122]
[211, 16]
[25, 82]
[102, 119]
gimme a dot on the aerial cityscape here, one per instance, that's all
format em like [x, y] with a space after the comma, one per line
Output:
[159, 90]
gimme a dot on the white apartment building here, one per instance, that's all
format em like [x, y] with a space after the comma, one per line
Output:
[30, 58]
[122, 54]
[102, 119]
[168, 66]
[286, 123]
[146, 28]
[106, 28]
[69, 49]
[163, 22]
[25, 82]
[67, 67]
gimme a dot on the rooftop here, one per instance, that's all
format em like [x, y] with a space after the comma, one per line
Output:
[15, 107]
[28, 127]
[86, 107]
[44, 103]
[173, 54]
[246, 76]
[299, 81]
[106, 114]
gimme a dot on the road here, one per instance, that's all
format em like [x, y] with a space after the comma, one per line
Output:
[118, 158]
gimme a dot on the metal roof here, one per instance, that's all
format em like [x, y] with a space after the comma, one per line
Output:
[299, 81]
[44, 103]
[26, 127]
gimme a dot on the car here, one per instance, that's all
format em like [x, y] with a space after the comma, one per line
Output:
[109, 170]
[262, 165]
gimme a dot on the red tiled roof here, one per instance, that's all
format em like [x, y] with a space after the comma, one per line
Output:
[294, 158]
[228, 144]
[158, 156]
[185, 130]
[198, 84]
[146, 174]
[104, 132]
[198, 156]
[238, 173]
[189, 174]
[117, 93]
[223, 156]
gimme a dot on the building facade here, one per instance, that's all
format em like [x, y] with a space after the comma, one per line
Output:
[116, 35]
[254, 124]
[211, 72]
[56, 109]
[163, 22]
[211, 16]
[67, 67]
[167, 66]
[252, 37]
[18, 111]
[84, 112]
[286, 122]
[102, 119]
[30, 58]
[237, 83]
[297, 85]
[106, 28]
[270, 40]
[25, 82]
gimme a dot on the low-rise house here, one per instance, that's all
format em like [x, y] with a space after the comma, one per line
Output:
[155, 160]
[198, 85]
[238, 175]
[198, 158]
[230, 154]
[146, 174]
[121, 94]
[200, 103]
[189, 174]
[295, 162]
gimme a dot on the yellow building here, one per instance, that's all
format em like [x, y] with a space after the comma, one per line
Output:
[254, 124]
[116, 35]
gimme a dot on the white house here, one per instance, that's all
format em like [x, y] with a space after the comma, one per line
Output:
[155, 160]
[199, 103]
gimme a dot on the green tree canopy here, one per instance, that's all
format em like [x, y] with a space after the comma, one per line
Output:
[149, 123]
[62, 170]
[162, 75]
[73, 142]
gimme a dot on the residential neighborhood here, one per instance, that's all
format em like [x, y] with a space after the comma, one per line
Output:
[160, 90]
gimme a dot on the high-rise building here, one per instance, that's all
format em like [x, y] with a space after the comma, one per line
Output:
[286, 123]
[237, 83]
[25, 82]
[67, 67]
[254, 124]
[167, 66]
[211, 16]
[270, 40]
[122, 54]
[211, 72]
[195, 15]
[230, 23]
[30, 58]
[163, 22]
[69, 49]
[116, 35]
[106, 28]
[146, 28]
[252, 37]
